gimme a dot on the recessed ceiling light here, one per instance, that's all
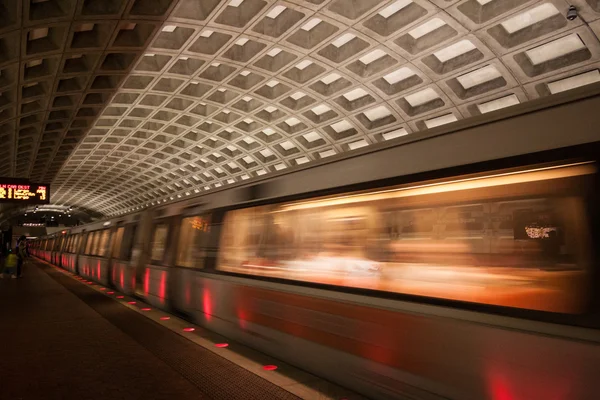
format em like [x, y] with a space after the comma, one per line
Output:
[320, 109]
[274, 13]
[427, 27]
[266, 153]
[377, 113]
[498, 104]
[287, 145]
[372, 56]
[529, 17]
[274, 52]
[341, 126]
[479, 76]
[454, 50]
[169, 28]
[261, 172]
[303, 64]
[311, 24]
[272, 83]
[342, 40]
[355, 94]
[327, 153]
[358, 144]
[398, 75]
[302, 160]
[242, 41]
[329, 79]
[442, 120]
[422, 97]
[311, 136]
[298, 95]
[235, 3]
[394, 8]
[394, 134]
[207, 33]
[555, 49]
[575, 81]
[292, 121]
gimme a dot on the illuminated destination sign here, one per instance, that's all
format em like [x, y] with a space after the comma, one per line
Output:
[23, 192]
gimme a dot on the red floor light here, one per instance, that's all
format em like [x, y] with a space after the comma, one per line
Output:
[131, 302]
[189, 329]
[110, 292]
[102, 288]
[120, 297]
[221, 345]
[165, 318]
[146, 309]
[269, 367]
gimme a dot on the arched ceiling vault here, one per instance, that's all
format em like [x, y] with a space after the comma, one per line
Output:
[121, 104]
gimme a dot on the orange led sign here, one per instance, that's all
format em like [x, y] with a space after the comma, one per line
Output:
[23, 192]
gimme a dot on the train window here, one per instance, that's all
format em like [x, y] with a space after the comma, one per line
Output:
[117, 240]
[96, 243]
[159, 242]
[103, 242]
[193, 241]
[130, 233]
[89, 238]
[516, 239]
[75, 243]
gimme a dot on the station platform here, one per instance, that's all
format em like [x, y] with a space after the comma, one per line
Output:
[63, 337]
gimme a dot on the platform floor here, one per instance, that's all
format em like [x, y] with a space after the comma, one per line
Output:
[63, 339]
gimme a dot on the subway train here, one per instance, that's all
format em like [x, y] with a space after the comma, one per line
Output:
[458, 263]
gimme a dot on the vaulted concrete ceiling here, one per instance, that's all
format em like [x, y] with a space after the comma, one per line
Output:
[122, 104]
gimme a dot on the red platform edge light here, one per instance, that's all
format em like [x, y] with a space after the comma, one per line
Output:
[146, 309]
[102, 288]
[165, 318]
[269, 367]
[131, 302]
[189, 329]
[221, 345]
[110, 292]
[120, 297]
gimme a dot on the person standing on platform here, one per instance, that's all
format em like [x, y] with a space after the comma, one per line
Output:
[21, 254]
[10, 264]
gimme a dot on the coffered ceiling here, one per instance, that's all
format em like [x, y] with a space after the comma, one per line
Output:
[122, 104]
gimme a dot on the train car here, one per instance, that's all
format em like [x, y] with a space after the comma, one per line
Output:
[459, 264]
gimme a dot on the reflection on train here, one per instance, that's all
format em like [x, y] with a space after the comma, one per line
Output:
[516, 239]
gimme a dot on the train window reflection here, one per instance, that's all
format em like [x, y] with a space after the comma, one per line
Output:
[88, 244]
[159, 242]
[193, 241]
[117, 240]
[75, 244]
[511, 239]
[103, 243]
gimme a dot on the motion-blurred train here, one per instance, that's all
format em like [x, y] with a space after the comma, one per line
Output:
[459, 263]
